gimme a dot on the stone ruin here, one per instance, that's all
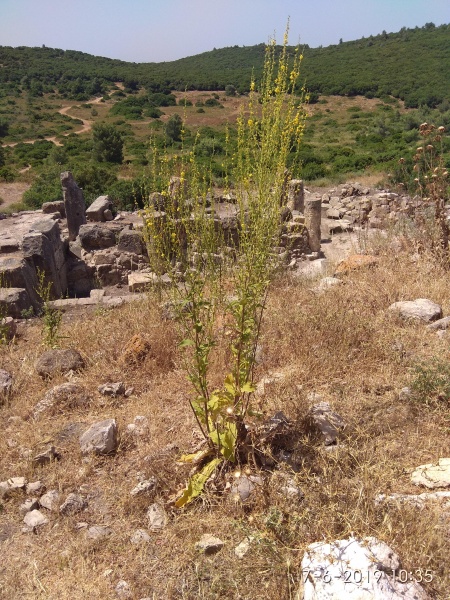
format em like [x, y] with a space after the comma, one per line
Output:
[83, 251]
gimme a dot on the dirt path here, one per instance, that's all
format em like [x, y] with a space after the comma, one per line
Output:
[86, 126]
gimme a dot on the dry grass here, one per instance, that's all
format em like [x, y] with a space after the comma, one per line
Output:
[342, 344]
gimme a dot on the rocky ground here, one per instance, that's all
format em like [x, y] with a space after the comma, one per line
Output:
[353, 492]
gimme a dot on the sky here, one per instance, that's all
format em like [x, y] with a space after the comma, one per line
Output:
[164, 30]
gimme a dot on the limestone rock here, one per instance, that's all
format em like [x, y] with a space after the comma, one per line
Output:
[100, 438]
[8, 328]
[327, 422]
[95, 237]
[242, 548]
[326, 283]
[50, 500]
[433, 475]
[209, 544]
[112, 389]
[35, 487]
[144, 487]
[244, 486]
[440, 324]
[135, 350]
[140, 536]
[356, 262]
[6, 381]
[421, 309]
[139, 426]
[61, 361]
[157, 518]
[34, 519]
[46, 457]
[123, 590]
[98, 532]
[354, 568]
[17, 483]
[14, 301]
[413, 499]
[96, 211]
[67, 395]
[74, 503]
[29, 505]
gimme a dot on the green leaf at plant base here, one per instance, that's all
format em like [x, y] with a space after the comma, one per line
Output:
[197, 482]
[226, 439]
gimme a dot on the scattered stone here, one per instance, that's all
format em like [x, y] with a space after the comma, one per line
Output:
[8, 328]
[4, 489]
[46, 457]
[421, 309]
[433, 475]
[287, 487]
[440, 324]
[6, 382]
[356, 262]
[34, 487]
[414, 499]
[141, 282]
[370, 560]
[144, 487]
[73, 504]
[405, 394]
[123, 590]
[98, 532]
[135, 350]
[61, 361]
[50, 500]
[14, 301]
[34, 519]
[326, 283]
[96, 211]
[29, 505]
[242, 548]
[156, 516]
[129, 392]
[70, 395]
[140, 536]
[327, 422]
[244, 485]
[139, 426]
[112, 389]
[97, 237]
[209, 544]
[100, 438]
[17, 483]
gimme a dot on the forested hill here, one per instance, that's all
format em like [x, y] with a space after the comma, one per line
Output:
[412, 64]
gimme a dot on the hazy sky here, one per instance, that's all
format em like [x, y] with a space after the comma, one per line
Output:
[158, 30]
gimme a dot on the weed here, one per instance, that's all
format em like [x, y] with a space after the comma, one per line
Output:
[224, 283]
[51, 317]
[431, 383]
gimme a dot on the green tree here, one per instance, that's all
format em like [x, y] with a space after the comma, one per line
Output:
[108, 143]
[230, 90]
[174, 128]
[4, 127]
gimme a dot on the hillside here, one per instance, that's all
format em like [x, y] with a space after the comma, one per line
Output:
[408, 65]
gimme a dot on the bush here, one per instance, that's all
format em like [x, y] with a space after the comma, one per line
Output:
[108, 143]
